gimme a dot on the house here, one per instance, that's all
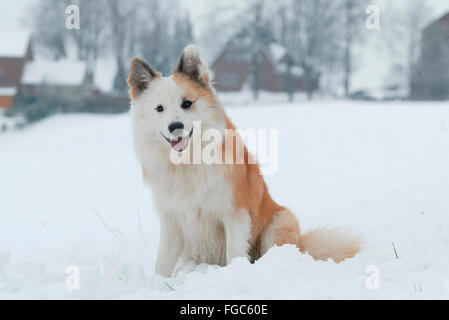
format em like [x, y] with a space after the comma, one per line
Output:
[22, 75]
[430, 78]
[15, 52]
[64, 82]
[67, 77]
[233, 68]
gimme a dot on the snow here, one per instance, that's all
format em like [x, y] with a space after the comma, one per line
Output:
[104, 74]
[71, 194]
[10, 123]
[277, 51]
[14, 43]
[60, 73]
[8, 91]
[296, 71]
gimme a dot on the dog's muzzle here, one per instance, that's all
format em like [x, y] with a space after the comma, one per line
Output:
[179, 142]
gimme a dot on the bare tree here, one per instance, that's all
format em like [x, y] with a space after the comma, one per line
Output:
[219, 28]
[259, 31]
[91, 39]
[50, 36]
[312, 35]
[353, 13]
[182, 34]
[152, 29]
[162, 33]
[256, 30]
[122, 24]
[403, 33]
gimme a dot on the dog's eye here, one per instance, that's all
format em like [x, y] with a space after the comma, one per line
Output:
[186, 104]
[159, 108]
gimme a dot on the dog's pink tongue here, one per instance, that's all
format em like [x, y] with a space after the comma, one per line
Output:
[179, 144]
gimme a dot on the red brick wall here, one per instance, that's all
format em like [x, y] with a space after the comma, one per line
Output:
[11, 69]
[223, 68]
[6, 102]
[269, 78]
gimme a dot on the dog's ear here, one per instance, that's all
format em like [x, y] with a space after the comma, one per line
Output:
[140, 77]
[191, 65]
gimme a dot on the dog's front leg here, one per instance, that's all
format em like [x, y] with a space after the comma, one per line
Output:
[238, 234]
[170, 247]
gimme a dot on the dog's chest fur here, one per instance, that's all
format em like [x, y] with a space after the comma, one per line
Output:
[199, 198]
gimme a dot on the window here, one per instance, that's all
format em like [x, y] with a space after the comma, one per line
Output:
[238, 57]
[230, 79]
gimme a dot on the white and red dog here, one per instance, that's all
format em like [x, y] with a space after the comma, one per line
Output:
[209, 213]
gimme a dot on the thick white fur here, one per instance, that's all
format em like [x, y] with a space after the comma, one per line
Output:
[195, 202]
[199, 219]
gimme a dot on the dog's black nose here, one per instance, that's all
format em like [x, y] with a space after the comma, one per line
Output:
[175, 125]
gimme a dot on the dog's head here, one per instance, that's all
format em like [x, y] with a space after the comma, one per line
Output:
[164, 109]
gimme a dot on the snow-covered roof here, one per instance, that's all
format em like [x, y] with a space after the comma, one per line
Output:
[8, 91]
[275, 52]
[14, 44]
[59, 73]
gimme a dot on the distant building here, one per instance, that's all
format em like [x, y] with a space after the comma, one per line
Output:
[22, 75]
[430, 79]
[232, 69]
[15, 52]
[66, 76]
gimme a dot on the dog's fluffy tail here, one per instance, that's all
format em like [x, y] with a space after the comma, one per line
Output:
[335, 243]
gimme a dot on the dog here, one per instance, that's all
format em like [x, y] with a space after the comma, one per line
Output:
[209, 213]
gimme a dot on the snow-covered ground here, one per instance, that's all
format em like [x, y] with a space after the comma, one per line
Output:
[71, 194]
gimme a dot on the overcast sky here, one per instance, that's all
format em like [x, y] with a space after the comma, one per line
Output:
[373, 61]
